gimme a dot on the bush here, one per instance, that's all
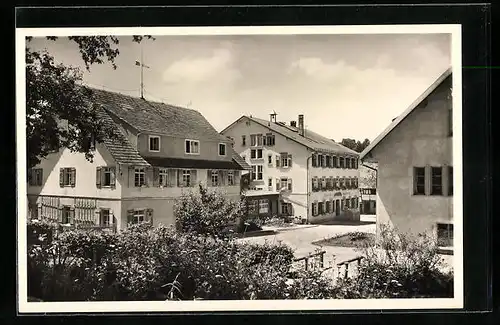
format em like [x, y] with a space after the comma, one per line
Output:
[206, 212]
[401, 266]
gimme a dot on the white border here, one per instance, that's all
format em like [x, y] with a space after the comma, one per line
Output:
[237, 305]
[159, 142]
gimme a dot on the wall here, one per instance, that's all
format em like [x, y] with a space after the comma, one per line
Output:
[85, 185]
[173, 147]
[421, 139]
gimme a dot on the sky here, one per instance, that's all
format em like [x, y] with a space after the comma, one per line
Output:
[346, 85]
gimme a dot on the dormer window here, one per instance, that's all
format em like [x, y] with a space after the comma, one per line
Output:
[154, 143]
[192, 147]
[222, 149]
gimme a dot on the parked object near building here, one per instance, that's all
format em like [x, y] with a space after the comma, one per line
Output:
[415, 165]
[296, 172]
[160, 151]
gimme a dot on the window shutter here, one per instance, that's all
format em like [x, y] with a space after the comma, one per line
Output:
[290, 184]
[171, 177]
[71, 216]
[113, 177]
[73, 177]
[277, 184]
[220, 178]
[289, 160]
[101, 217]
[61, 177]
[149, 216]
[179, 178]
[194, 174]
[237, 177]
[130, 216]
[156, 176]
[98, 174]
[278, 161]
[209, 177]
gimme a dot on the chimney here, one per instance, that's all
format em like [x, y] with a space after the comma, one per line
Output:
[293, 123]
[301, 125]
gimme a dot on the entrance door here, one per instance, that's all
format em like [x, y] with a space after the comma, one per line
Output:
[337, 207]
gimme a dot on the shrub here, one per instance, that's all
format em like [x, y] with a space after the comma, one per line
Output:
[401, 266]
[206, 212]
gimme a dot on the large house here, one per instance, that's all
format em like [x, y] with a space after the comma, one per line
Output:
[160, 151]
[415, 165]
[296, 172]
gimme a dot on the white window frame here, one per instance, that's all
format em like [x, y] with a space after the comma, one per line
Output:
[104, 171]
[214, 177]
[225, 149]
[186, 177]
[109, 217]
[149, 143]
[260, 172]
[269, 159]
[263, 206]
[138, 171]
[67, 176]
[138, 213]
[191, 142]
[163, 173]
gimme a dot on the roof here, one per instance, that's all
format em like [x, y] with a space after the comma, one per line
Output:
[310, 139]
[157, 118]
[119, 146]
[407, 112]
[169, 162]
[240, 161]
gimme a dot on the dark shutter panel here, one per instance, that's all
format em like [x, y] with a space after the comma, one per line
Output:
[171, 177]
[221, 178]
[113, 177]
[61, 177]
[209, 177]
[194, 177]
[289, 160]
[278, 161]
[98, 176]
[156, 176]
[71, 216]
[237, 177]
[290, 184]
[278, 185]
[73, 177]
[130, 216]
[179, 178]
[314, 162]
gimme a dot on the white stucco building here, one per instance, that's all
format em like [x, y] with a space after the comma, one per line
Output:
[415, 165]
[296, 172]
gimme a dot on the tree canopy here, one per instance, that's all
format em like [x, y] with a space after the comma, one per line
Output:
[357, 146]
[59, 109]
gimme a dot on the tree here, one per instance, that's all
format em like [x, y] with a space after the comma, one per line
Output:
[357, 146]
[59, 110]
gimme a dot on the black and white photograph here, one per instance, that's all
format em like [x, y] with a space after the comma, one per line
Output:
[218, 168]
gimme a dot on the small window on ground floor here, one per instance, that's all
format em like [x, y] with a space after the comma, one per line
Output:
[445, 234]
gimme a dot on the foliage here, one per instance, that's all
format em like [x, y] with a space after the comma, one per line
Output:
[400, 266]
[206, 212]
[357, 146]
[54, 94]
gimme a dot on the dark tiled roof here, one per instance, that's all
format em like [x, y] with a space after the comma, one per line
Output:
[119, 147]
[158, 118]
[240, 161]
[310, 139]
[192, 163]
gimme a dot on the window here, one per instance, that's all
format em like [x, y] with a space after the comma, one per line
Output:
[214, 177]
[139, 216]
[105, 177]
[314, 182]
[105, 218]
[269, 139]
[286, 208]
[328, 161]
[270, 181]
[353, 203]
[67, 215]
[139, 177]
[348, 182]
[321, 161]
[259, 140]
[256, 154]
[263, 206]
[341, 162]
[419, 180]
[154, 143]
[354, 163]
[337, 182]
[192, 147]
[436, 181]
[253, 140]
[315, 209]
[243, 140]
[257, 173]
[35, 177]
[314, 160]
[327, 207]
[67, 177]
[323, 183]
[270, 160]
[286, 160]
[254, 172]
[230, 178]
[445, 234]
[187, 177]
[283, 183]
[320, 208]
[222, 149]
[244, 157]
[450, 180]
[162, 177]
[334, 162]
[348, 163]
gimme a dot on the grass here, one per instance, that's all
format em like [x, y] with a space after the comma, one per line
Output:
[352, 239]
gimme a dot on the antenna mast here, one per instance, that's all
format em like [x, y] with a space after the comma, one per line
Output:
[142, 66]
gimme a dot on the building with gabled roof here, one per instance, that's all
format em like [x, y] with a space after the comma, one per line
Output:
[159, 152]
[295, 171]
[415, 165]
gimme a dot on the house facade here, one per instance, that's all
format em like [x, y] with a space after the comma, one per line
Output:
[415, 166]
[294, 171]
[160, 151]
